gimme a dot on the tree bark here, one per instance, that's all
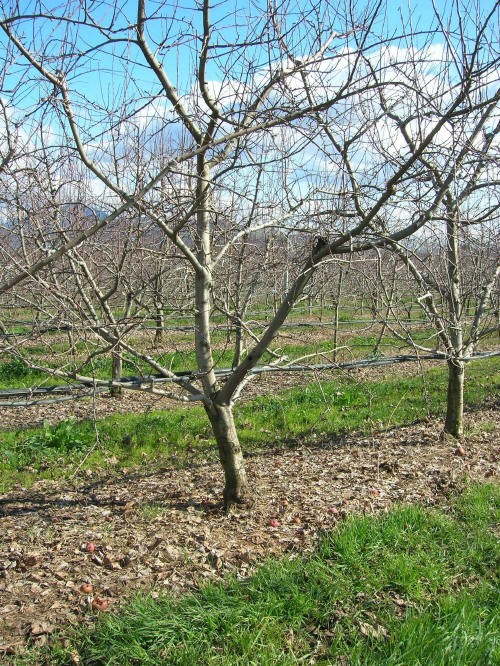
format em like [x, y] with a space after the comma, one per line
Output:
[456, 369]
[336, 308]
[116, 373]
[238, 344]
[389, 297]
[159, 324]
[220, 415]
[455, 398]
[230, 454]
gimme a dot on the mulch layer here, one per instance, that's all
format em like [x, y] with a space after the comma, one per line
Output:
[68, 549]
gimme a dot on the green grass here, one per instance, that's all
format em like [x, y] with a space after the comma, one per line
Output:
[351, 345]
[16, 374]
[50, 444]
[52, 452]
[334, 407]
[414, 587]
[182, 436]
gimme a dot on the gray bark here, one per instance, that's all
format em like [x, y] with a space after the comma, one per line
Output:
[455, 398]
[230, 454]
[159, 324]
[220, 415]
[116, 372]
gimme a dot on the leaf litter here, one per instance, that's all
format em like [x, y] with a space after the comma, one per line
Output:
[70, 550]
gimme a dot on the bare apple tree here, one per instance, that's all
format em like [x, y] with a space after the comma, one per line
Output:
[455, 265]
[271, 114]
[455, 185]
[455, 262]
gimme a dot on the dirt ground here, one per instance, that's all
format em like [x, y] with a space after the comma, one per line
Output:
[165, 529]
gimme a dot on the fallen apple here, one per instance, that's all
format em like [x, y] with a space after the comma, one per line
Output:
[273, 522]
[90, 547]
[375, 492]
[100, 604]
[333, 510]
[86, 588]
[460, 451]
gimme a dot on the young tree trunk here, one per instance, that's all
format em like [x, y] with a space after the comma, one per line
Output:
[159, 324]
[389, 296]
[455, 398]
[116, 372]
[336, 309]
[230, 454]
[322, 305]
[238, 344]
[456, 369]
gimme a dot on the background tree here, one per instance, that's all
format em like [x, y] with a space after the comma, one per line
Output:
[456, 272]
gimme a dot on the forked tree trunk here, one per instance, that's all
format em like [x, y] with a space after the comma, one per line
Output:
[230, 455]
[455, 399]
[220, 415]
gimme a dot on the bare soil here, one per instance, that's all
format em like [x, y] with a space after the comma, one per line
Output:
[165, 530]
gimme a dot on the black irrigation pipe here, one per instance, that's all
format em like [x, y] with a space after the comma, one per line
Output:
[52, 401]
[101, 386]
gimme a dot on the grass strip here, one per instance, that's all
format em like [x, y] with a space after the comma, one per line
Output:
[15, 374]
[416, 586]
[182, 436]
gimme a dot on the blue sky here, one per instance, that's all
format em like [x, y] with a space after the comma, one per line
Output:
[181, 39]
[100, 77]
[103, 91]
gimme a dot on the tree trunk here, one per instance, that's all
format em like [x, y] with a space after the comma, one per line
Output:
[336, 310]
[335, 328]
[388, 309]
[116, 373]
[238, 343]
[455, 398]
[456, 369]
[220, 415]
[159, 324]
[230, 454]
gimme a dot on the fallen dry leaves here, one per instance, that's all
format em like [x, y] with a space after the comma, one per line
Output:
[71, 550]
